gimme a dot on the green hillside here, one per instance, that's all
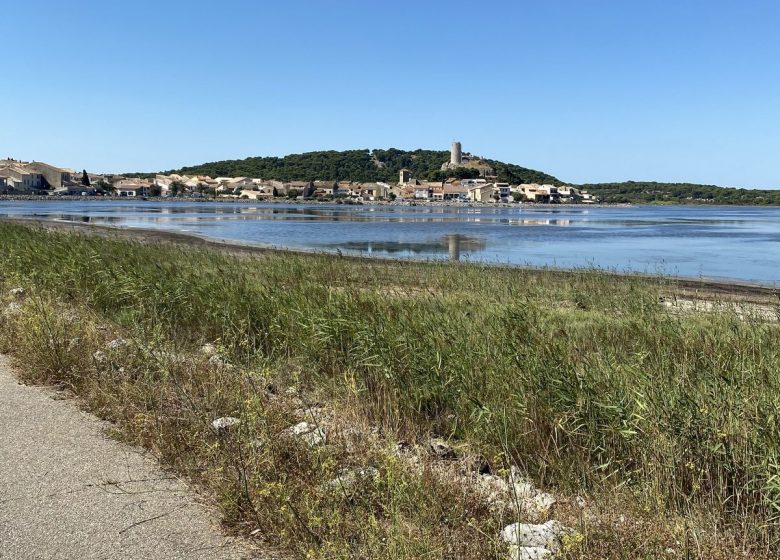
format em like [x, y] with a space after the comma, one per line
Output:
[356, 165]
[384, 165]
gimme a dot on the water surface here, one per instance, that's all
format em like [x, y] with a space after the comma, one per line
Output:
[739, 243]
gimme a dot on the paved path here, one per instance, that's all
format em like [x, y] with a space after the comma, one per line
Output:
[69, 492]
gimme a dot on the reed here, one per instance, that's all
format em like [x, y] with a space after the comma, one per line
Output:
[580, 378]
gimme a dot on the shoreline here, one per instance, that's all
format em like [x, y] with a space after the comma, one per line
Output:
[703, 288]
[335, 202]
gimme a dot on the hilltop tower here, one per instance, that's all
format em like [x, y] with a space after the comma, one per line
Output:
[456, 154]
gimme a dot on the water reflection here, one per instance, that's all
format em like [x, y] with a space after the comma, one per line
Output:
[728, 242]
[451, 245]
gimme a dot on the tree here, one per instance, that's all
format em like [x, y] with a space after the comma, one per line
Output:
[85, 178]
[176, 187]
[276, 192]
[155, 190]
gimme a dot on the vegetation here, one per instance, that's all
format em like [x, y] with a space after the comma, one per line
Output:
[355, 165]
[385, 165]
[650, 192]
[665, 421]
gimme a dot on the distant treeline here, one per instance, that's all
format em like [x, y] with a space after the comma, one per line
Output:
[644, 192]
[385, 165]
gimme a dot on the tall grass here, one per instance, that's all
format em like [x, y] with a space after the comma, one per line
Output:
[581, 378]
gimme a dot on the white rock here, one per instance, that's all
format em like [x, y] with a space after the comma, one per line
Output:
[116, 344]
[580, 501]
[528, 553]
[309, 433]
[218, 361]
[347, 478]
[17, 292]
[493, 489]
[99, 356]
[224, 425]
[208, 349]
[545, 535]
[522, 488]
[13, 308]
[537, 506]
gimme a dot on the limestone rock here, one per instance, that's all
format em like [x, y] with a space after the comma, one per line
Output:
[522, 488]
[218, 361]
[17, 292]
[225, 425]
[309, 433]
[528, 553]
[538, 506]
[347, 478]
[117, 343]
[208, 349]
[547, 535]
[13, 308]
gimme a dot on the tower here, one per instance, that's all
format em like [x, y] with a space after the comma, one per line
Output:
[456, 155]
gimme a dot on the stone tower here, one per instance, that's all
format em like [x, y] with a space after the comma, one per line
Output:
[456, 154]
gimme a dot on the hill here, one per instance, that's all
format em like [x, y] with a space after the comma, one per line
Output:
[357, 165]
[385, 164]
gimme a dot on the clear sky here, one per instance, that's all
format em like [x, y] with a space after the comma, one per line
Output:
[587, 90]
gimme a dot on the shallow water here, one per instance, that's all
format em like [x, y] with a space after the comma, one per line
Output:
[740, 243]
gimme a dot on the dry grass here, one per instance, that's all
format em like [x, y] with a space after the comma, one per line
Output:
[583, 380]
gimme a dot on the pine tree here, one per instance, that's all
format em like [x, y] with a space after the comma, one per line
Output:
[85, 178]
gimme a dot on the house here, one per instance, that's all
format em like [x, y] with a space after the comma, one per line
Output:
[374, 191]
[422, 192]
[541, 193]
[569, 194]
[428, 190]
[406, 192]
[305, 189]
[74, 189]
[18, 178]
[455, 192]
[481, 192]
[132, 188]
[503, 191]
[472, 182]
[54, 177]
[326, 188]
[257, 193]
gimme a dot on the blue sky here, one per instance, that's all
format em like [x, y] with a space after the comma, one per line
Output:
[595, 90]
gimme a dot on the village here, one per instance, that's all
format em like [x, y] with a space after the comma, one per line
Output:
[42, 179]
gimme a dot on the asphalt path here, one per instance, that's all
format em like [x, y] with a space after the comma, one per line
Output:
[67, 491]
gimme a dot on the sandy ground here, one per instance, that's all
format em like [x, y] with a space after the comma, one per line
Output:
[67, 491]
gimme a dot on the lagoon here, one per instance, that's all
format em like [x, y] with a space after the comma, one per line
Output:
[724, 243]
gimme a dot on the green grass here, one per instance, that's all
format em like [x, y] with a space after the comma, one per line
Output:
[582, 379]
